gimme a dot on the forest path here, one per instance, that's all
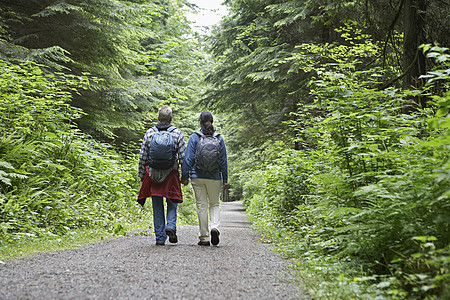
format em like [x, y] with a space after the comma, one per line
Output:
[133, 267]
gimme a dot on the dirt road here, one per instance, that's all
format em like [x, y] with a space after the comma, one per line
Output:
[240, 267]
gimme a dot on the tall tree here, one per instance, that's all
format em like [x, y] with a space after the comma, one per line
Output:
[270, 50]
[137, 48]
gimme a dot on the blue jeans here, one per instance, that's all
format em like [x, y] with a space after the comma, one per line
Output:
[159, 221]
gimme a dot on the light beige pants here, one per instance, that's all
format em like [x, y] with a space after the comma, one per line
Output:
[207, 195]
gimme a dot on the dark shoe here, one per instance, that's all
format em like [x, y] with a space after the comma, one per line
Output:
[160, 243]
[203, 243]
[172, 235]
[215, 236]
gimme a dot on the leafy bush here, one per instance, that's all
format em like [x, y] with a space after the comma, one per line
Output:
[53, 178]
[372, 188]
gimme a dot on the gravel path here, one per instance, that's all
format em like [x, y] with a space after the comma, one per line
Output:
[240, 267]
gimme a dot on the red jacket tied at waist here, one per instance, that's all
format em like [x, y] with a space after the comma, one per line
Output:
[169, 188]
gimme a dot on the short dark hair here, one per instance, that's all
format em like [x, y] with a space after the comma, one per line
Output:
[165, 114]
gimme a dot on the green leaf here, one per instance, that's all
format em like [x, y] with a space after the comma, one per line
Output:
[424, 239]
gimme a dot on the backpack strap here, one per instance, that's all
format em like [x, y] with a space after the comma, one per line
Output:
[201, 134]
[170, 129]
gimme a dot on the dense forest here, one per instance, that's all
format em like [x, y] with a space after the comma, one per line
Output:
[335, 114]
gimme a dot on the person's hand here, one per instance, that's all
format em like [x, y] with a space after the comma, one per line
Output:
[185, 181]
[225, 185]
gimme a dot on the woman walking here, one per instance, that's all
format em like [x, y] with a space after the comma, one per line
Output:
[205, 162]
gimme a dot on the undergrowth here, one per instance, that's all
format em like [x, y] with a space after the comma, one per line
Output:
[364, 209]
[140, 225]
[58, 186]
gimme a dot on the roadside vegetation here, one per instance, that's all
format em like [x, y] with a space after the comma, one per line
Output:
[59, 184]
[74, 106]
[339, 127]
[364, 212]
[335, 115]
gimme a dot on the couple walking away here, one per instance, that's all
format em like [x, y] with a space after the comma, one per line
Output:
[163, 154]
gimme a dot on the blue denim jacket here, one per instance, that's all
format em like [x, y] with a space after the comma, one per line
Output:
[188, 169]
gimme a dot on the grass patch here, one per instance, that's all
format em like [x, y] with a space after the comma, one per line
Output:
[27, 245]
[24, 245]
[322, 276]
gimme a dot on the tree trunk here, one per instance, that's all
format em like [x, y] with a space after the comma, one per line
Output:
[413, 58]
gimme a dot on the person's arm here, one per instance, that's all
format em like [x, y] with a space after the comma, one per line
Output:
[143, 154]
[223, 162]
[188, 161]
[181, 149]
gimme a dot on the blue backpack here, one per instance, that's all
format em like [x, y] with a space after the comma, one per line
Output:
[162, 153]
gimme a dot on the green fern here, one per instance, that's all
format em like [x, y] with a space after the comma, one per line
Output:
[5, 176]
[56, 9]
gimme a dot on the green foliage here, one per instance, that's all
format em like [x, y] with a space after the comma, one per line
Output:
[53, 178]
[268, 52]
[372, 185]
[138, 48]
[363, 201]
[6, 174]
[256, 83]
[370, 170]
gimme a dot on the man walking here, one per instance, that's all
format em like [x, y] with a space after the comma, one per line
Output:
[160, 158]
